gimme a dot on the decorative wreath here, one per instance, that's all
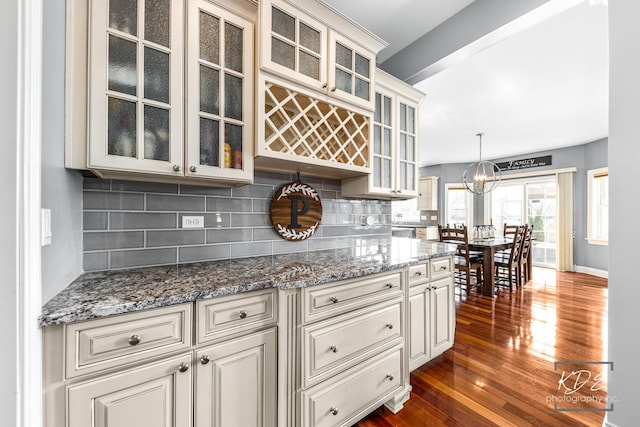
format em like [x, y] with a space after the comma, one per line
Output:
[281, 211]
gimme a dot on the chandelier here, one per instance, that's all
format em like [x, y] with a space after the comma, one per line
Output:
[481, 177]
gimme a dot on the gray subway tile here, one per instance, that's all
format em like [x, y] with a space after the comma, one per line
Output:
[90, 183]
[113, 240]
[317, 244]
[96, 200]
[334, 230]
[174, 237]
[261, 205]
[271, 178]
[203, 253]
[327, 195]
[243, 250]
[144, 187]
[95, 220]
[205, 191]
[228, 235]
[211, 220]
[265, 234]
[331, 184]
[141, 220]
[250, 220]
[161, 202]
[143, 257]
[257, 191]
[94, 261]
[328, 219]
[219, 204]
[285, 246]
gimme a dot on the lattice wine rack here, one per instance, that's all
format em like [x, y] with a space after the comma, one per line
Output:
[314, 130]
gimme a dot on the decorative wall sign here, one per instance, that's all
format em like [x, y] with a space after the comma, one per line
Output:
[531, 162]
[296, 211]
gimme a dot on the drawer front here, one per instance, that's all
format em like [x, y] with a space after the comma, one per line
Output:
[334, 298]
[228, 315]
[101, 344]
[348, 396]
[421, 233]
[441, 267]
[340, 342]
[418, 274]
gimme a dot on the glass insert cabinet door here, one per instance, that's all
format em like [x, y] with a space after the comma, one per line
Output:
[382, 153]
[219, 93]
[136, 85]
[407, 148]
[351, 71]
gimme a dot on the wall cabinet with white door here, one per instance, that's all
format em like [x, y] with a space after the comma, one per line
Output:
[395, 144]
[428, 193]
[169, 95]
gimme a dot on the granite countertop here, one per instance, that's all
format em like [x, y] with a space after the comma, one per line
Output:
[100, 294]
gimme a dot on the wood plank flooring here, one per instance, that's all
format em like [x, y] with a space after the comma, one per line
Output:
[501, 372]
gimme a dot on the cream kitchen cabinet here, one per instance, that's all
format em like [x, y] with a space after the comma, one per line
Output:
[310, 44]
[428, 193]
[169, 94]
[431, 310]
[394, 149]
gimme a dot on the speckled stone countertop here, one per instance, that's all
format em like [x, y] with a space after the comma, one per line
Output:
[106, 293]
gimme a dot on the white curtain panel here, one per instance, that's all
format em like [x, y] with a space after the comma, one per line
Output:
[565, 222]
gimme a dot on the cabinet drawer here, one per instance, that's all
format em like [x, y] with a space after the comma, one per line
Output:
[347, 397]
[418, 274]
[100, 344]
[228, 315]
[334, 298]
[343, 341]
[421, 233]
[441, 267]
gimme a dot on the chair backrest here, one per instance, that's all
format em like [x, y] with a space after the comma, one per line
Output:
[509, 230]
[456, 235]
[526, 241]
[518, 241]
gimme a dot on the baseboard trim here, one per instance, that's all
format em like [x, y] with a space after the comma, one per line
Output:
[592, 271]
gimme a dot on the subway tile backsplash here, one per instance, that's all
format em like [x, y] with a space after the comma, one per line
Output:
[134, 224]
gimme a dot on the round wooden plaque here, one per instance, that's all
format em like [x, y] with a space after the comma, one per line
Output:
[296, 211]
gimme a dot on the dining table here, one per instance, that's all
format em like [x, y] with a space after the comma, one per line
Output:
[488, 247]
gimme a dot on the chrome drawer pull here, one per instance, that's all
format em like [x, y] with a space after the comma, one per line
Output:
[134, 340]
[418, 273]
[389, 285]
[204, 359]
[243, 314]
[443, 267]
[389, 325]
[390, 377]
[333, 348]
[334, 299]
[334, 411]
[184, 367]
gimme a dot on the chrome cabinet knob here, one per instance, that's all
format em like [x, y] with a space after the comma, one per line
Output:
[193, 168]
[176, 168]
[389, 326]
[333, 410]
[333, 348]
[390, 377]
[324, 86]
[333, 89]
[243, 314]
[389, 285]
[134, 340]
[418, 273]
[334, 299]
[184, 367]
[204, 359]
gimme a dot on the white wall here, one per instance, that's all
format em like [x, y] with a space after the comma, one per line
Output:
[8, 223]
[624, 155]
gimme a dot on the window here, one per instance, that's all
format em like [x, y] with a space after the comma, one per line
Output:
[458, 205]
[598, 206]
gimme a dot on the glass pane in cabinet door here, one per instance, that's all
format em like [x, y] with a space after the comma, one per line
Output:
[283, 24]
[386, 170]
[156, 75]
[387, 111]
[411, 148]
[309, 65]
[122, 65]
[403, 147]
[403, 117]
[362, 65]
[209, 142]
[387, 143]
[232, 97]
[362, 89]
[209, 38]
[403, 175]
[283, 53]
[411, 119]
[156, 21]
[411, 185]
[378, 107]
[343, 56]
[123, 16]
[309, 38]
[232, 146]
[121, 127]
[343, 80]
[377, 139]
[233, 47]
[209, 90]
[156, 133]
[377, 172]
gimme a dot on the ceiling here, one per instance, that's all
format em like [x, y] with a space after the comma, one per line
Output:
[543, 87]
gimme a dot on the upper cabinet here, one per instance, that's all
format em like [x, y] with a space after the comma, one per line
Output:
[169, 95]
[428, 193]
[394, 149]
[300, 47]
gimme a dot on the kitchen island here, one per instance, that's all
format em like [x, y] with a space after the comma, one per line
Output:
[295, 335]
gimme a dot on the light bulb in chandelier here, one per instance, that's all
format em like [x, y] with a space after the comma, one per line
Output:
[486, 175]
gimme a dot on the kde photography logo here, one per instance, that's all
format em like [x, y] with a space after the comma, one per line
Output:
[582, 387]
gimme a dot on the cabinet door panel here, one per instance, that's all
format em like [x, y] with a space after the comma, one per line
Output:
[419, 343]
[442, 315]
[236, 382]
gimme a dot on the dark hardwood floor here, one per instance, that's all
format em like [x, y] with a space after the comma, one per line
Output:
[501, 370]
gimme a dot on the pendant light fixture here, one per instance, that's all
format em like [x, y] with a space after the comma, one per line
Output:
[481, 177]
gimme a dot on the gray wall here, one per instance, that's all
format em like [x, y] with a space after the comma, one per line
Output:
[8, 214]
[61, 188]
[583, 157]
[133, 224]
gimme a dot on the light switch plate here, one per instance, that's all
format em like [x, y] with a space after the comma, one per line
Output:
[195, 221]
[45, 226]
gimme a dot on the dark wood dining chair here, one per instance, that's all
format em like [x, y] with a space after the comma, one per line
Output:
[523, 265]
[467, 266]
[509, 230]
[507, 264]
